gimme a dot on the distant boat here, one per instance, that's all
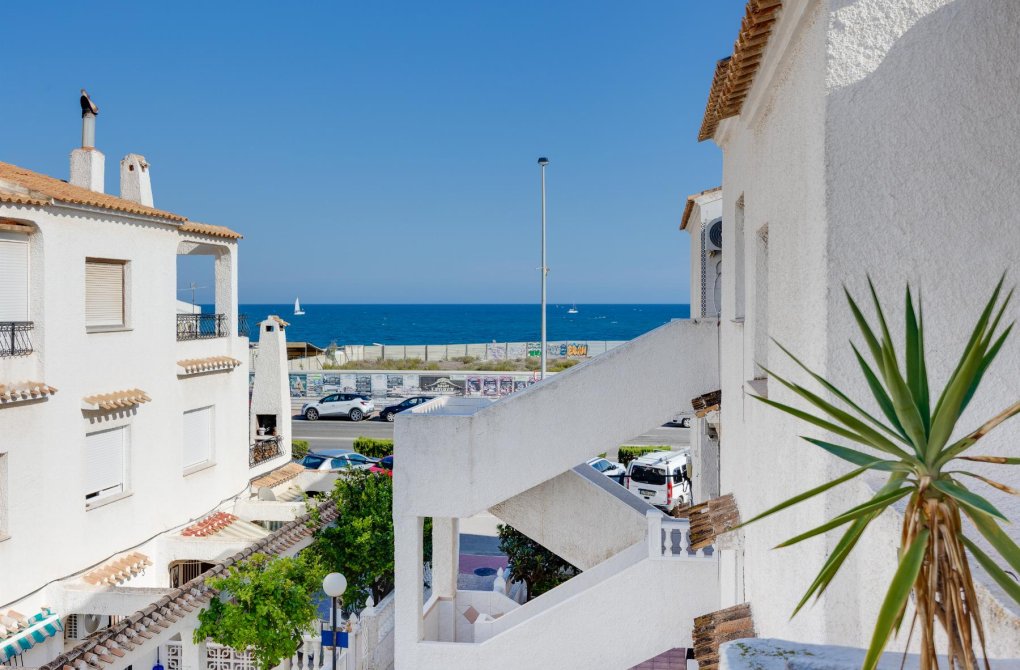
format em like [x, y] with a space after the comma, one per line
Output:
[572, 310]
[297, 308]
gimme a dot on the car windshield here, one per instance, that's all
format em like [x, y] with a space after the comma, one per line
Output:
[311, 461]
[645, 475]
[386, 462]
[601, 466]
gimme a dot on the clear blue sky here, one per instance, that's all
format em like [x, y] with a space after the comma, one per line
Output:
[385, 151]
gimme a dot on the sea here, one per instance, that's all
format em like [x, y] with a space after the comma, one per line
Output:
[463, 324]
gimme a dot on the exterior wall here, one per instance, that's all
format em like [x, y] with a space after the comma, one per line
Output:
[707, 208]
[774, 164]
[52, 535]
[834, 151]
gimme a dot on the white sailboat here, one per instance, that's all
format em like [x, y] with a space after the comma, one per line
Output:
[297, 308]
[573, 309]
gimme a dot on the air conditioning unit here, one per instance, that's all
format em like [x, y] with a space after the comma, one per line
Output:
[80, 626]
[713, 235]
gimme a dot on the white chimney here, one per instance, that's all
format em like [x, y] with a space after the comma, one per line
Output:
[88, 164]
[134, 180]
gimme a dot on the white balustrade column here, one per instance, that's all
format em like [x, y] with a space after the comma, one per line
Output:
[654, 517]
[445, 556]
[407, 536]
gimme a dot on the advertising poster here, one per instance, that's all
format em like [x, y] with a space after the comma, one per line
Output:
[363, 384]
[474, 385]
[437, 384]
[490, 386]
[506, 385]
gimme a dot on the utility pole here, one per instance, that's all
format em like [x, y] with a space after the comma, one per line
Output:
[542, 162]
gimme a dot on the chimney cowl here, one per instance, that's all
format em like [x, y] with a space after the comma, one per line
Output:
[135, 182]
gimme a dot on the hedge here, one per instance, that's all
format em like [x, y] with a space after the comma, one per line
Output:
[629, 453]
[298, 448]
[372, 447]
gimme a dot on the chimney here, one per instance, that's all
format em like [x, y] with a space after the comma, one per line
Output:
[88, 163]
[134, 180]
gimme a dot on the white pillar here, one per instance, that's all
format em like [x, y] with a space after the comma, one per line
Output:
[445, 556]
[408, 625]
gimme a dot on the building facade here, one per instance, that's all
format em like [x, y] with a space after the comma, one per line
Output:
[128, 462]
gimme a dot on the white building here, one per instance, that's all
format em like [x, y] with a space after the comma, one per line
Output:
[858, 137]
[124, 424]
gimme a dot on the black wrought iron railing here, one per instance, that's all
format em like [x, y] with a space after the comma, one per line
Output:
[242, 325]
[15, 338]
[201, 326]
[262, 450]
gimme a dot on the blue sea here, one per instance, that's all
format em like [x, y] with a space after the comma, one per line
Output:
[463, 324]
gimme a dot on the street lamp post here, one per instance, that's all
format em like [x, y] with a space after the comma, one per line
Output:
[334, 585]
[542, 162]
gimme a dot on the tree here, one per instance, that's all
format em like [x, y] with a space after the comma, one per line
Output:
[265, 606]
[911, 443]
[532, 563]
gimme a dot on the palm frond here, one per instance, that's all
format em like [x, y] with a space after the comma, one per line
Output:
[896, 598]
[876, 504]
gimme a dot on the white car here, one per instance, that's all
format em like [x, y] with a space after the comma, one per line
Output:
[614, 471]
[337, 459]
[355, 407]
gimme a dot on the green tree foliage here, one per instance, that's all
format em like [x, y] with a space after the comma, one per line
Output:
[298, 449]
[532, 563]
[629, 453]
[265, 605]
[372, 447]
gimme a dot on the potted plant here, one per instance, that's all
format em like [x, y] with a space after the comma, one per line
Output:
[911, 442]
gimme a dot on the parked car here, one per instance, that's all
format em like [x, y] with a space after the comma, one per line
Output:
[614, 471]
[352, 405]
[384, 466]
[661, 479]
[337, 459]
[389, 412]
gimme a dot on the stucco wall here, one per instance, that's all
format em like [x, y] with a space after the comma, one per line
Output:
[51, 532]
[880, 137]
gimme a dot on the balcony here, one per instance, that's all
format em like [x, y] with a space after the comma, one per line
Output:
[15, 338]
[201, 326]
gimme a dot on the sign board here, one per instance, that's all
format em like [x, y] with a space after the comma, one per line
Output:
[341, 639]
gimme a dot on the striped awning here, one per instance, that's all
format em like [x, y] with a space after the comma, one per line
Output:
[23, 633]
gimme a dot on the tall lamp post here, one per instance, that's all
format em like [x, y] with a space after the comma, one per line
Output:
[334, 584]
[542, 162]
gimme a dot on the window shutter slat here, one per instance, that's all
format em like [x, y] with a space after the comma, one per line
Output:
[104, 293]
[198, 432]
[13, 280]
[104, 461]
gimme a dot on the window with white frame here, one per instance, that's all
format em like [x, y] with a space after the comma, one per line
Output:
[197, 448]
[106, 464]
[14, 284]
[104, 293]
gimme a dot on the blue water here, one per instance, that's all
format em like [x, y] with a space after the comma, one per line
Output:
[457, 324]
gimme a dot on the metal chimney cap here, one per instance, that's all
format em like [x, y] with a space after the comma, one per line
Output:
[543, 161]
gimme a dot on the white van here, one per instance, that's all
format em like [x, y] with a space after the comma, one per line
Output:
[661, 478]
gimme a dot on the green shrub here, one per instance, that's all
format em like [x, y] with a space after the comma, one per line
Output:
[629, 453]
[464, 359]
[373, 448]
[298, 448]
[560, 364]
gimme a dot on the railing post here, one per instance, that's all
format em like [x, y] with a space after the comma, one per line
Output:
[654, 517]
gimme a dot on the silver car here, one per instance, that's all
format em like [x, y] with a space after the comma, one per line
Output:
[355, 407]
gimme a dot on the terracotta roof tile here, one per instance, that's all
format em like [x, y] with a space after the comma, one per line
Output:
[711, 630]
[689, 206]
[278, 476]
[208, 229]
[706, 400]
[11, 393]
[41, 187]
[118, 570]
[711, 519]
[137, 629]
[193, 366]
[17, 199]
[115, 400]
[210, 525]
[734, 76]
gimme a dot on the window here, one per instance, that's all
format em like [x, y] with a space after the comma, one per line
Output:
[198, 438]
[14, 287]
[643, 474]
[104, 294]
[105, 461]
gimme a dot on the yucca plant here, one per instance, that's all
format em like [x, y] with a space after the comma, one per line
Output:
[911, 441]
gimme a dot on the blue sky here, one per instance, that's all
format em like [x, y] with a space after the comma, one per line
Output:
[385, 152]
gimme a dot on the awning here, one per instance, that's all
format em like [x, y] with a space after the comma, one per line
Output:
[194, 366]
[27, 632]
[115, 400]
[24, 391]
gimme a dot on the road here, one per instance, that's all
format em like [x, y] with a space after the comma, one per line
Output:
[341, 433]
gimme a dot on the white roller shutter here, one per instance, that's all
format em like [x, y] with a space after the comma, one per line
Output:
[198, 436]
[13, 280]
[104, 293]
[104, 463]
